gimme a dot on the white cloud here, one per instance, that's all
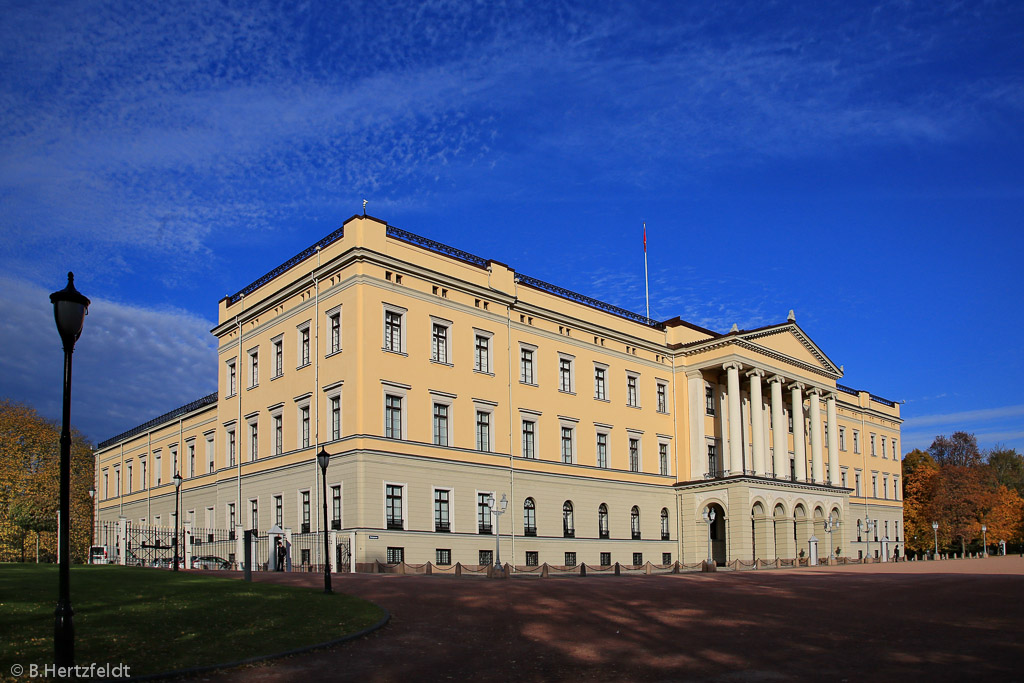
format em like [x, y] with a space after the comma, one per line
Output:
[963, 417]
[130, 365]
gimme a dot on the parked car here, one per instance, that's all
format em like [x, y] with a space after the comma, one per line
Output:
[168, 562]
[98, 555]
[210, 562]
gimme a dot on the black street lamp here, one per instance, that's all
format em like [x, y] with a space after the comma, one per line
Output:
[177, 515]
[69, 311]
[324, 459]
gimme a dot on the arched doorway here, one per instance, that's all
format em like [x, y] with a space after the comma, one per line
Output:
[762, 535]
[801, 530]
[784, 542]
[717, 532]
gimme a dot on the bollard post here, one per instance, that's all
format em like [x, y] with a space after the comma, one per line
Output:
[248, 554]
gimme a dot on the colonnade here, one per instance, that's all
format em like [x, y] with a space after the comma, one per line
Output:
[762, 425]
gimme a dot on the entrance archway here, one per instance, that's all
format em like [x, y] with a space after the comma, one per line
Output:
[719, 549]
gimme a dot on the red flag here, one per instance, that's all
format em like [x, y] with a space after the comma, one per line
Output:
[645, 238]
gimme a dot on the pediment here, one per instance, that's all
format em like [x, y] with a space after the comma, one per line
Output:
[789, 341]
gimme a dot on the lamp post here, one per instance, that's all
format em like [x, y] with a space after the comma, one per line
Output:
[984, 541]
[324, 459]
[503, 503]
[869, 526]
[935, 530]
[92, 520]
[177, 515]
[709, 518]
[829, 527]
[69, 311]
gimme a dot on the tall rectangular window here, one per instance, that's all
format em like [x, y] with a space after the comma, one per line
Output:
[393, 331]
[663, 458]
[856, 441]
[442, 501]
[336, 507]
[335, 410]
[662, 398]
[231, 448]
[712, 460]
[279, 511]
[631, 399]
[439, 343]
[304, 426]
[393, 504]
[482, 357]
[254, 365]
[231, 517]
[440, 424]
[874, 486]
[232, 379]
[856, 483]
[278, 435]
[895, 452]
[885, 453]
[305, 511]
[142, 466]
[393, 416]
[254, 514]
[601, 384]
[842, 438]
[191, 460]
[709, 400]
[304, 345]
[278, 348]
[634, 455]
[209, 454]
[483, 513]
[253, 441]
[483, 430]
[526, 366]
[335, 323]
[872, 443]
[567, 454]
[602, 449]
[565, 382]
[529, 439]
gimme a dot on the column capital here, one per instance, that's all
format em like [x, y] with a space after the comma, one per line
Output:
[732, 365]
[756, 372]
[777, 378]
[831, 396]
[694, 374]
[797, 385]
[815, 391]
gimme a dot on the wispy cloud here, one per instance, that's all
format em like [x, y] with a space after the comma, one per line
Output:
[966, 416]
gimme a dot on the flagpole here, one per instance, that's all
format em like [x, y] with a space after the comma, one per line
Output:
[647, 290]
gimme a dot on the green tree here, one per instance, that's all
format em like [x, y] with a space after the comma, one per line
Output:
[1008, 468]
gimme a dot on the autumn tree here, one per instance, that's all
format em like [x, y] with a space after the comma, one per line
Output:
[960, 450]
[1007, 466]
[30, 485]
[920, 480]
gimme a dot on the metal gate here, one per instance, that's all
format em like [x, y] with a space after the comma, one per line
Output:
[149, 546]
[342, 556]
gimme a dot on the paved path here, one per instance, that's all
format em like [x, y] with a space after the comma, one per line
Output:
[954, 620]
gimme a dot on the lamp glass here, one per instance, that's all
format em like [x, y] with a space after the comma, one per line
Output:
[323, 459]
[177, 479]
[504, 502]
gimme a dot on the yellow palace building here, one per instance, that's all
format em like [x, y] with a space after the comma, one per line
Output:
[436, 379]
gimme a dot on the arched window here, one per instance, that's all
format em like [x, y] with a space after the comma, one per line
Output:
[602, 520]
[634, 522]
[529, 518]
[664, 524]
[568, 526]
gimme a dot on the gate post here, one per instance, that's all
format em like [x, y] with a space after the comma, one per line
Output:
[332, 556]
[812, 551]
[122, 540]
[247, 535]
[188, 545]
[352, 552]
[240, 545]
[288, 548]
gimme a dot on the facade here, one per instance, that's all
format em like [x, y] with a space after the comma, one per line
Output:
[436, 379]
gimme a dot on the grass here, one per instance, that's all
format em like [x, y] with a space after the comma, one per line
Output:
[157, 620]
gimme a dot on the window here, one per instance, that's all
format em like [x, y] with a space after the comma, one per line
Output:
[393, 320]
[254, 368]
[842, 478]
[842, 438]
[486, 558]
[334, 322]
[664, 526]
[895, 452]
[278, 349]
[662, 397]
[663, 458]
[335, 412]
[600, 383]
[602, 449]
[712, 460]
[440, 424]
[709, 400]
[304, 344]
[231, 518]
[231, 447]
[885, 453]
[568, 526]
[874, 486]
[526, 375]
[856, 482]
[392, 416]
[232, 380]
[860, 528]
[253, 441]
[482, 353]
[254, 514]
[634, 455]
[638, 559]
[174, 460]
[157, 467]
[279, 511]
[192, 459]
[304, 511]
[856, 441]
[483, 430]
[529, 439]
[209, 453]
[106, 484]
[606, 559]
[142, 471]
[567, 450]
[631, 399]
[395, 555]
[895, 487]
[532, 558]
[634, 522]
[565, 374]
[885, 486]
[483, 513]
[529, 517]
[666, 558]
[443, 556]
[872, 441]
[336, 507]
[278, 434]
[442, 502]
[602, 521]
[117, 480]
[304, 427]
[570, 559]
[393, 506]
[439, 343]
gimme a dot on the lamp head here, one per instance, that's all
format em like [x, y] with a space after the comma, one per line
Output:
[69, 311]
[177, 480]
[92, 492]
[504, 502]
[935, 525]
[323, 459]
[490, 501]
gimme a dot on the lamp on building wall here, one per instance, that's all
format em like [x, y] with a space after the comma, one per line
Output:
[935, 530]
[497, 512]
[984, 541]
[69, 311]
[709, 519]
[177, 515]
[324, 459]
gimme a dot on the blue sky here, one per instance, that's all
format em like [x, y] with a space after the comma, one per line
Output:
[862, 164]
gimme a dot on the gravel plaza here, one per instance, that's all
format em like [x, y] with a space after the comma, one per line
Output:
[951, 620]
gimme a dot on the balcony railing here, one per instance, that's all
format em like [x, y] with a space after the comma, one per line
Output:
[442, 527]
[603, 533]
[664, 536]
[484, 529]
[568, 533]
[530, 531]
[396, 524]
[336, 524]
[636, 535]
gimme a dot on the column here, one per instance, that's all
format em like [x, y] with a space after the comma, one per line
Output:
[799, 447]
[833, 440]
[757, 420]
[766, 438]
[780, 434]
[698, 449]
[735, 426]
[817, 460]
[723, 429]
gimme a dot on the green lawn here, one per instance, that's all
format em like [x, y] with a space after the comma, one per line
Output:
[157, 620]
